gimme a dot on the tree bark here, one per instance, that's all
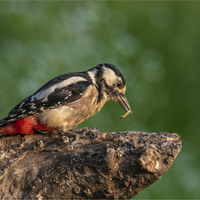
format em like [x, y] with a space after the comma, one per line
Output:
[114, 165]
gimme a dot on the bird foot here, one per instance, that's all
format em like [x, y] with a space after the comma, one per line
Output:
[77, 135]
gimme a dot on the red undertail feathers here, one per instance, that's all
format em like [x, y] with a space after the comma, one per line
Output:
[27, 125]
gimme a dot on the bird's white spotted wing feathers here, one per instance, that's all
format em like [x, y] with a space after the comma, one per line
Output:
[64, 91]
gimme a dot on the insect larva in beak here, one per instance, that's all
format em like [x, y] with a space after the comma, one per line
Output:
[129, 111]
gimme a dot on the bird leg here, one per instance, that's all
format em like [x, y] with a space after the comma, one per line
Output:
[76, 135]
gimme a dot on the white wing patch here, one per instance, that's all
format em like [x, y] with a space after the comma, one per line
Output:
[22, 104]
[92, 75]
[68, 96]
[13, 115]
[44, 93]
[33, 106]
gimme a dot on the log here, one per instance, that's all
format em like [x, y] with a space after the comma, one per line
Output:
[101, 165]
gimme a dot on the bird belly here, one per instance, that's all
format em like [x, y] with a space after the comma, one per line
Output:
[67, 116]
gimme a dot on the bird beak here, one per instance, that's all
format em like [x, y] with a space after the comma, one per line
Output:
[121, 99]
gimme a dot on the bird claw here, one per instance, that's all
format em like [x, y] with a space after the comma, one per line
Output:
[77, 136]
[75, 141]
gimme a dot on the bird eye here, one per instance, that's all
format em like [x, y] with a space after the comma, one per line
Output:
[119, 84]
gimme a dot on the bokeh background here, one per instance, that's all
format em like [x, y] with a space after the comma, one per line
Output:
[156, 45]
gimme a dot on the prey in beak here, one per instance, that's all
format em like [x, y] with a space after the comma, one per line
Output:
[121, 99]
[114, 87]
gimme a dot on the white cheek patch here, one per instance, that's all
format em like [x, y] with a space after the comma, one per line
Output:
[44, 93]
[109, 76]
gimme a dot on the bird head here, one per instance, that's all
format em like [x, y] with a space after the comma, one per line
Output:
[111, 84]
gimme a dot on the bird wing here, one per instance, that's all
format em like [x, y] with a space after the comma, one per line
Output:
[63, 92]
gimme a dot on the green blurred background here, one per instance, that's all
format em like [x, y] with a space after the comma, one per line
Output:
[156, 45]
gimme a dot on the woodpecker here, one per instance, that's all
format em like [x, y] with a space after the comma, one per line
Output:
[66, 101]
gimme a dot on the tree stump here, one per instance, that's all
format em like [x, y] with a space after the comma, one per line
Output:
[102, 165]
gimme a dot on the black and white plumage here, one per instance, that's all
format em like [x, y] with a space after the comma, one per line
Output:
[67, 100]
